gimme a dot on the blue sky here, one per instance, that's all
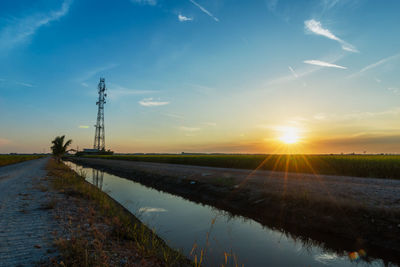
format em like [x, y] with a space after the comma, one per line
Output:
[201, 75]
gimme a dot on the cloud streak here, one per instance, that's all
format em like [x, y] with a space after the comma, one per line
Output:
[25, 84]
[315, 27]
[323, 64]
[183, 18]
[189, 129]
[22, 29]
[115, 91]
[150, 102]
[95, 71]
[204, 10]
[377, 64]
[145, 2]
[394, 90]
[328, 4]
[293, 72]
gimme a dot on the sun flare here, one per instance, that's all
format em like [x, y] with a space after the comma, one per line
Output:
[289, 135]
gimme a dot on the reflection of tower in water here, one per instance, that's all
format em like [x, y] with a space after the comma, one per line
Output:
[98, 178]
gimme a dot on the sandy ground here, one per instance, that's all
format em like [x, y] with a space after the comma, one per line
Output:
[26, 225]
[369, 191]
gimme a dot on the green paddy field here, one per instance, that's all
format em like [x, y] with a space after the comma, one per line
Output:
[374, 166]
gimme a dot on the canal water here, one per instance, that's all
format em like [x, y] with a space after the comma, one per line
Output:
[184, 224]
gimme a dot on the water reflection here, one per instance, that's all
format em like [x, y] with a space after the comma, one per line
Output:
[97, 178]
[184, 223]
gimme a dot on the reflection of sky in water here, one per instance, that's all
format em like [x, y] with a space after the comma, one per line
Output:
[182, 223]
[150, 209]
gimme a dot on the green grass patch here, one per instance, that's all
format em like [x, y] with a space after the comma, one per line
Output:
[11, 159]
[377, 166]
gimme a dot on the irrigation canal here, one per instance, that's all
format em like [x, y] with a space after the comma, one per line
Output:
[182, 224]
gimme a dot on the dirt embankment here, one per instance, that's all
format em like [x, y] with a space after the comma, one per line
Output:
[342, 213]
[98, 231]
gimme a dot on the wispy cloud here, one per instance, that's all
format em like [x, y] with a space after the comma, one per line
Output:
[315, 27]
[25, 84]
[20, 30]
[323, 64]
[84, 126]
[377, 64]
[272, 4]
[394, 90]
[293, 72]
[183, 18]
[303, 71]
[189, 129]
[150, 102]
[291, 77]
[84, 84]
[360, 115]
[204, 10]
[11, 83]
[116, 91]
[174, 115]
[319, 116]
[328, 4]
[89, 74]
[202, 88]
[145, 2]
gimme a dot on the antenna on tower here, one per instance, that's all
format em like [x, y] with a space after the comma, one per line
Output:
[99, 137]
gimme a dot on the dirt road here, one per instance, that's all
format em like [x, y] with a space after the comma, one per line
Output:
[25, 222]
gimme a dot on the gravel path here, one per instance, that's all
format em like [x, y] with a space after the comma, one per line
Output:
[384, 193]
[26, 223]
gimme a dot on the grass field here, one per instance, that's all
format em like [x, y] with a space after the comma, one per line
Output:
[11, 159]
[377, 166]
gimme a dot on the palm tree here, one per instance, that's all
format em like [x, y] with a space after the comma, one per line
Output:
[59, 148]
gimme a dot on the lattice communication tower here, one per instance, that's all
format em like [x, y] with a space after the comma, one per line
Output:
[99, 137]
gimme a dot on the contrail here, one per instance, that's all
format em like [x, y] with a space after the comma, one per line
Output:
[204, 10]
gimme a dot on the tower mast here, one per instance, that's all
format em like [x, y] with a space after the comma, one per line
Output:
[99, 137]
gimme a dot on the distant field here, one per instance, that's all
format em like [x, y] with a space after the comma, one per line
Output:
[378, 166]
[11, 159]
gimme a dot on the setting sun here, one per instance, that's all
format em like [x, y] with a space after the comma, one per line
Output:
[290, 135]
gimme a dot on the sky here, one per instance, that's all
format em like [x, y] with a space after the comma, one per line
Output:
[234, 76]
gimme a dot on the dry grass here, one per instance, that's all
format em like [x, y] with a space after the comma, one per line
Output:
[100, 232]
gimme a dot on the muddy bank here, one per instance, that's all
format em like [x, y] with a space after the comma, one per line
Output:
[338, 224]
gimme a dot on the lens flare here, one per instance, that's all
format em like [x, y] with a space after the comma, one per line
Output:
[354, 256]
